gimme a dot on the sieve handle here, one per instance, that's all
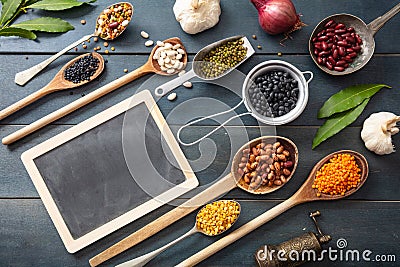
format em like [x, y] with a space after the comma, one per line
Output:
[164, 89]
[311, 75]
[178, 135]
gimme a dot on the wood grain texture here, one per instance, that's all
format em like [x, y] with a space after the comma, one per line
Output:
[381, 69]
[30, 239]
[238, 17]
[367, 220]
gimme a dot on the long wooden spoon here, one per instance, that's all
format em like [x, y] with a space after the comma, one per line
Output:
[305, 194]
[151, 66]
[57, 84]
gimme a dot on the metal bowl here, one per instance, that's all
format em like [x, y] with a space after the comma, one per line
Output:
[273, 65]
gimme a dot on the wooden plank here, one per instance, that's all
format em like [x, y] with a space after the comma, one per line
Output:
[30, 239]
[232, 22]
[381, 69]
[381, 184]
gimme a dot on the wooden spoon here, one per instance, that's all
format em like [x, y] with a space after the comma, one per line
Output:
[305, 194]
[57, 84]
[150, 66]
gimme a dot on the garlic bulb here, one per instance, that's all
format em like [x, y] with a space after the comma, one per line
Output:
[197, 15]
[378, 130]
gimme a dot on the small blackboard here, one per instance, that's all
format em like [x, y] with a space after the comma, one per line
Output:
[109, 170]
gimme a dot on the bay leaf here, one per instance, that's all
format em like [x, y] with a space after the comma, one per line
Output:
[45, 24]
[9, 8]
[338, 122]
[9, 31]
[55, 5]
[348, 98]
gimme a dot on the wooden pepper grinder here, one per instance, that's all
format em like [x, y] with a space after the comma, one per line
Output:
[293, 252]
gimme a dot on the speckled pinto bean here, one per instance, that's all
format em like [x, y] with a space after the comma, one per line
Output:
[336, 46]
[265, 164]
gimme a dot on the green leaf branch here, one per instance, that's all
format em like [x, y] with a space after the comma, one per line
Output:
[11, 9]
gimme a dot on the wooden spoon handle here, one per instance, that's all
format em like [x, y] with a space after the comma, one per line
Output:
[238, 233]
[76, 104]
[23, 103]
[214, 191]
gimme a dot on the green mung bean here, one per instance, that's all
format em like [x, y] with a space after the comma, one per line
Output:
[222, 58]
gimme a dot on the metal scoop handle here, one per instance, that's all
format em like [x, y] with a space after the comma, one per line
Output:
[164, 89]
[378, 23]
[23, 77]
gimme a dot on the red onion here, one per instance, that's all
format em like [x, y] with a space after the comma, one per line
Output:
[277, 16]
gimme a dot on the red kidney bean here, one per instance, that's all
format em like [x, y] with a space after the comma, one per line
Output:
[316, 51]
[323, 53]
[359, 41]
[340, 26]
[323, 38]
[348, 59]
[329, 23]
[339, 68]
[330, 34]
[314, 39]
[347, 34]
[353, 54]
[346, 65]
[338, 37]
[342, 43]
[319, 60]
[324, 60]
[341, 31]
[349, 50]
[341, 63]
[342, 51]
[350, 39]
[330, 45]
[319, 47]
[332, 61]
[350, 29]
[113, 25]
[335, 54]
[356, 48]
[328, 65]
[324, 46]
[330, 30]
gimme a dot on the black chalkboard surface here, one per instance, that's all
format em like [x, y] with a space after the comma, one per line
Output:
[84, 180]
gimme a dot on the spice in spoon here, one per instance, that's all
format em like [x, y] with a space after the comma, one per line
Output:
[217, 217]
[337, 176]
[82, 69]
[223, 58]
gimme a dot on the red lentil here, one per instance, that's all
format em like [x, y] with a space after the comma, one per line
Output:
[337, 176]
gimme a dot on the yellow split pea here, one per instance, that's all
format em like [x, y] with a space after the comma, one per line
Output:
[217, 217]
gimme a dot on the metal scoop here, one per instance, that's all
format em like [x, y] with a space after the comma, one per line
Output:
[23, 77]
[196, 68]
[142, 260]
[365, 31]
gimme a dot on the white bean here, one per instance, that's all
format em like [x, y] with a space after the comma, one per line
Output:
[181, 51]
[142, 33]
[168, 65]
[167, 60]
[181, 73]
[168, 45]
[163, 68]
[170, 71]
[178, 56]
[187, 84]
[171, 53]
[180, 65]
[176, 64]
[159, 43]
[176, 46]
[163, 54]
[171, 97]
[161, 61]
[148, 43]
[125, 23]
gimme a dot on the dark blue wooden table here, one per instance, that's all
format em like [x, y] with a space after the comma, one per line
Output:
[367, 220]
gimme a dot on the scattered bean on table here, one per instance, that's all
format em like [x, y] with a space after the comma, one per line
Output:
[223, 58]
[274, 94]
[82, 69]
[113, 21]
[337, 176]
[266, 164]
[217, 217]
[336, 46]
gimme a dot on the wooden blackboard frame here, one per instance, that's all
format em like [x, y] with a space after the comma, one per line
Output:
[72, 245]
